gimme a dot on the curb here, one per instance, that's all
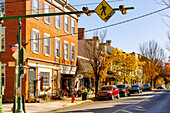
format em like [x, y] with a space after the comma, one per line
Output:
[76, 103]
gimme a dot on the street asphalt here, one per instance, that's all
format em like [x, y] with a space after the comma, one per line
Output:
[157, 101]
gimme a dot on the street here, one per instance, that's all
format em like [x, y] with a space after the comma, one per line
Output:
[157, 101]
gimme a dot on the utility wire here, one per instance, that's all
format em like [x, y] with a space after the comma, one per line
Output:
[142, 16]
[129, 20]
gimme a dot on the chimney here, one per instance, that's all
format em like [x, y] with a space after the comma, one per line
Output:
[95, 38]
[81, 33]
[109, 42]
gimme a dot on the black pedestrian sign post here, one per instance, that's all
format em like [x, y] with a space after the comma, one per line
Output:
[104, 11]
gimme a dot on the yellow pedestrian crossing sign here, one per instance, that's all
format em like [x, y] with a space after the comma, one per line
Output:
[104, 11]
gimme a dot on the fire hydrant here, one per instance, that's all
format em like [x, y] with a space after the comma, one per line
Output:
[72, 99]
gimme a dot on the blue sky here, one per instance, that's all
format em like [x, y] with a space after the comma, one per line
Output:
[129, 35]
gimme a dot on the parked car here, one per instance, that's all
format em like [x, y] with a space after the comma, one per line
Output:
[161, 86]
[124, 90]
[135, 88]
[146, 87]
[108, 92]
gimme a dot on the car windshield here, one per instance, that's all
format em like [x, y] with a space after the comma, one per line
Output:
[145, 85]
[121, 86]
[135, 86]
[106, 89]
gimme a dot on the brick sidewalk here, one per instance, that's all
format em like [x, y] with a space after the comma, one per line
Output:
[48, 105]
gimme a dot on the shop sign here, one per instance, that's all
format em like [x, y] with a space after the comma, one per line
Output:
[73, 70]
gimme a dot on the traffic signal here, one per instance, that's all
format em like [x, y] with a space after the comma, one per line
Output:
[122, 9]
[86, 11]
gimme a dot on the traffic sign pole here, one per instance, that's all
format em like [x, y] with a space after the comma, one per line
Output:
[1, 108]
[19, 99]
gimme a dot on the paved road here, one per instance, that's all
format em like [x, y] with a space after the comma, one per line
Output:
[157, 101]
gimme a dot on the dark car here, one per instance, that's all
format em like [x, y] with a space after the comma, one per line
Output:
[124, 90]
[135, 88]
[146, 87]
[108, 92]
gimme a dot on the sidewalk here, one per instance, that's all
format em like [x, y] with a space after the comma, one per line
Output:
[48, 105]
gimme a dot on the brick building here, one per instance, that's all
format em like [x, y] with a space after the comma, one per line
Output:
[51, 42]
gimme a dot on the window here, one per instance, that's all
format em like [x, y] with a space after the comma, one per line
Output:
[46, 79]
[73, 27]
[3, 6]
[47, 45]
[72, 52]
[57, 20]
[35, 41]
[3, 39]
[66, 24]
[3, 75]
[47, 9]
[57, 48]
[66, 50]
[36, 7]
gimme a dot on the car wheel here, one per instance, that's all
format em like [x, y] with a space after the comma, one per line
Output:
[111, 98]
[118, 96]
[139, 91]
[125, 94]
[98, 99]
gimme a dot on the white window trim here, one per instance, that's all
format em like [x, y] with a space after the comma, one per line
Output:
[55, 48]
[49, 12]
[57, 11]
[64, 23]
[4, 39]
[72, 44]
[48, 35]
[65, 42]
[4, 8]
[73, 32]
[39, 8]
[4, 75]
[32, 41]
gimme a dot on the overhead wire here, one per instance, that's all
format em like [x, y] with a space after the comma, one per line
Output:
[122, 22]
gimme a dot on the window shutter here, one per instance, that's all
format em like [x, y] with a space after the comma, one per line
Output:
[74, 53]
[74, 28]
[60, 49]
[39, 7]
[44, 11]
[64, 51]
[50, 16]
[44, 44]
[55, 47]
[55, 11]
[32, 42]
[64, 22]
[32, 6]
[39, 42]
[68, 52]
[68, 24]
[71, 52]
[49, 46]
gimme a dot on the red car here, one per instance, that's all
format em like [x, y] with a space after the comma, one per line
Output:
[108, 92]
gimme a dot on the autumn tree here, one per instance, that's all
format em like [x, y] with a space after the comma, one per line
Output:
[98, 59]
[154, 57]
